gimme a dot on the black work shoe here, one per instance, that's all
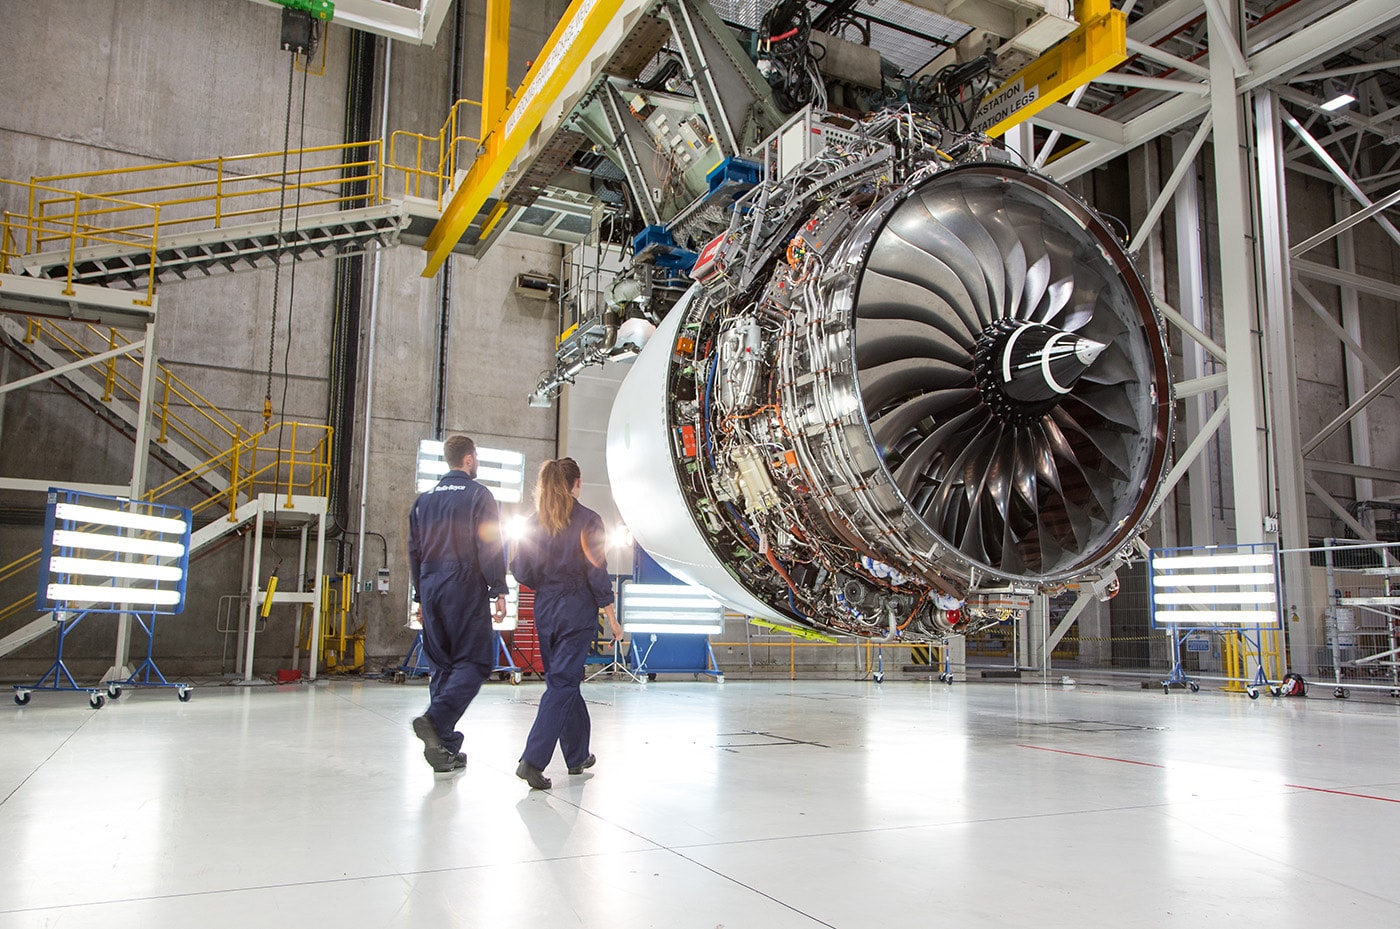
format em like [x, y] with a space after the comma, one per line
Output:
[437, 756]
[533, 776]
[587, 763]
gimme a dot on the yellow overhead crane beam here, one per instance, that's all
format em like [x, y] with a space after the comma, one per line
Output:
[566, 51]
[1099, 45]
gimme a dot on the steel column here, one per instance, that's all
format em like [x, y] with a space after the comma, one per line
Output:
[251, 634]
[1238, 292]
[1277, 299]
[316, 592]
[1194, 362]
[1355, 370]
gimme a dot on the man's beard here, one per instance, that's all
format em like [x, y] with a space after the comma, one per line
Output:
[471, 471]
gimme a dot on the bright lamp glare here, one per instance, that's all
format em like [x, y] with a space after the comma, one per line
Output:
[621, 537]
[96, 541]
[505, 494]
[60, 564]
[91, 593]
[1340, 100]
[432, 466]
[514, 528]
[73, 512]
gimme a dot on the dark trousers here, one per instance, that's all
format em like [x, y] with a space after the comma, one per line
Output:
[450, 690]
[460, 646]
[562, 716]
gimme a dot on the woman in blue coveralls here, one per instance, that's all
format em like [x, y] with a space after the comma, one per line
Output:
[563, 557]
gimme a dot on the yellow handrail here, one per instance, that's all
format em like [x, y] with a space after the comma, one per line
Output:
[446, 144]
[65, 218]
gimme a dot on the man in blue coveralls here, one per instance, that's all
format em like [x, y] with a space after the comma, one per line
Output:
[458, 566]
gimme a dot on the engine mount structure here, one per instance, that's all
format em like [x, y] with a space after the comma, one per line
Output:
[913, 384]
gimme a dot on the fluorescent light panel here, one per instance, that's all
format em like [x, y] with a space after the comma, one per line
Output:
[1339, 101]
[1212, 580]
[1218, 617]
[672, 608]
[681, 628]
[92, 567]
[102, 542]
[96, 593]
[77, 513]
[1219, 596]
[1188, 562]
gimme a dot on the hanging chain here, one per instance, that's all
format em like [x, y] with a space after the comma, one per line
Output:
[277, 255]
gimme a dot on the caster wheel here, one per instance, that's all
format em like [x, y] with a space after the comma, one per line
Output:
[400, 677]
[114, 692]
[1395, 693]
[1341, 693]
[1275, 692]
[1195, 688]
[516, 677]
[21, 697]
[96, 701]
[1166, 688]
[1253, 693]
[719, 678]
[651, 677]
[184, 694]
[878, 677]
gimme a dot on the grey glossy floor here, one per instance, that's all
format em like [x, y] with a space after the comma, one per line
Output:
[773, 804]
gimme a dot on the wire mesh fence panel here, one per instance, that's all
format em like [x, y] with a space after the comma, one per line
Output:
[1350, 596]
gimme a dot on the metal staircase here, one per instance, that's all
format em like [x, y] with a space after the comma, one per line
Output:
[181, 256]
[140, 226]
[266, 473]
[181, 440]
[90, 249]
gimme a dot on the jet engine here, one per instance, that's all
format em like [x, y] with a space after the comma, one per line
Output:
[913, 384]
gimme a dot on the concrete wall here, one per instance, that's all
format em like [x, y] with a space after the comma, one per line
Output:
[116, 83]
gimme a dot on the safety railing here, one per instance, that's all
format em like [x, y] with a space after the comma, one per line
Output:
[202, 425]
[429, 163]
[301, 467]
[288, 459]
[212, 192]
[9, 242]
[134, 207]
[79, 221]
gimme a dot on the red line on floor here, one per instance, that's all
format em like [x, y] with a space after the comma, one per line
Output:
[1342, 793]
[1149, 764]
[1061, 751]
